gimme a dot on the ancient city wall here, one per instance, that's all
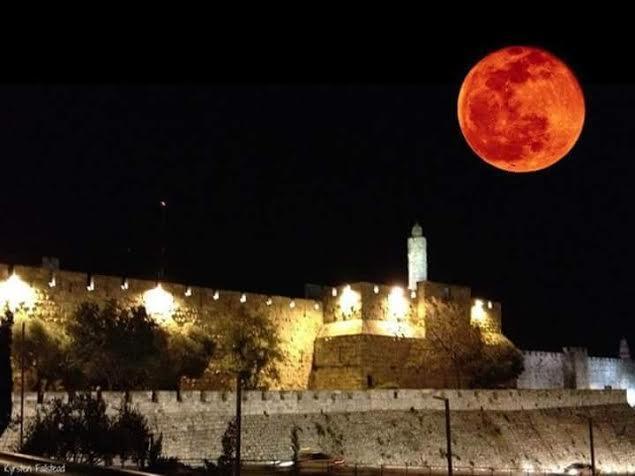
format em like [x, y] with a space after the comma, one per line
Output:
[376, 310]
[573, 368]
[524, 429]
[297, 320]
[542, 370]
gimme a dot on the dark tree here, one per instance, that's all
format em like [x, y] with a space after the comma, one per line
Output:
[80, 431]
[250, 347]
[6, 374]
[228, 442]
[477, 358]
[45, 349]
[455, 343]
[295, 447]
[116, 348]
[131, 436]
[499, 366]
[187, 353]
[77, 431]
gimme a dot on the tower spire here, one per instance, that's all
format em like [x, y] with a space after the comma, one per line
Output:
[417, 257]
[625, 353]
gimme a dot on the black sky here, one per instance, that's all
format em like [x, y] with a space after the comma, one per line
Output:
[276, 184]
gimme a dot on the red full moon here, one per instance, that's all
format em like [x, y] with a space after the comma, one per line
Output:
[521, 109]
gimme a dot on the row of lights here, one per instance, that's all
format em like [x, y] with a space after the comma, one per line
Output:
[397, 303]
[413, 293]
[479, 303]
[15, 292]
[90, 286]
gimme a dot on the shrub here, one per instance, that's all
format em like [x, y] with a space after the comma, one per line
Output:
[80, 431]
[77, 431]
[226, 459]
[131, 436]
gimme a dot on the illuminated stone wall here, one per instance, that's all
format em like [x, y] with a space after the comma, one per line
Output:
[542, 370]
[367, 308]
[380, 336]
[367, 361]
[486, 315]
[527, 430]
[574, 368]
[297, 320]
[364, 334]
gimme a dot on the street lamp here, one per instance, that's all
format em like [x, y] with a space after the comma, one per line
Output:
[22, 387]
[18, 296]
[592, 449]
[239, 398]
[591, 445]
[448, 436]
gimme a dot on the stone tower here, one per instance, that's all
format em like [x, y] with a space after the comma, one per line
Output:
[417, 258]
[625, 353]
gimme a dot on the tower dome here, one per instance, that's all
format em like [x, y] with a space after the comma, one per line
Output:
[417, 230]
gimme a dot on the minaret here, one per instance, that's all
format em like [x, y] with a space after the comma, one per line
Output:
[417, 258]
[625, 353]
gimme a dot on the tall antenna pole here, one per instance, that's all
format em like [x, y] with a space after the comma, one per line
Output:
[164, 207]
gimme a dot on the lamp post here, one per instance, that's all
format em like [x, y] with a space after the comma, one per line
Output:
[448, 436]
[239, 401]
[592, 448]
[589, 420]
[22, 387]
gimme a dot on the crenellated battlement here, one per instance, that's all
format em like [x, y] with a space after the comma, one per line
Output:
[53, 296]
[336, 401]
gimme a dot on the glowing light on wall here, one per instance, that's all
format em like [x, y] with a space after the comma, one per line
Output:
[349, 300]
[316, 306]
[188, 291]
[413, 294]
[376, 289]
[489, 304]
[269, 301]
[90, 285]
[397, 303]
[477, 313]
[243, 297]
[292, 304]
[15, 293]
[216, 296]
[334, 292]
[52, 282]
[159, 303]
[124, 284]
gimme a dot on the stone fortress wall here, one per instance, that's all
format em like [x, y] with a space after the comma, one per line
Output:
[574, 368]
[297, 320]
[328, 342]
[332, 342]
[522, 429]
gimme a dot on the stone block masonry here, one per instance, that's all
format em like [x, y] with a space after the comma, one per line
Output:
[542, 430]
[297, 321]
[574, 368]
[363, 317]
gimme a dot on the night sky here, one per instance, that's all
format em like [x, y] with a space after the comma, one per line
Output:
[275, 185]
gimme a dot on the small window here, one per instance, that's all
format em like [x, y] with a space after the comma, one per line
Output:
[369, 381]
